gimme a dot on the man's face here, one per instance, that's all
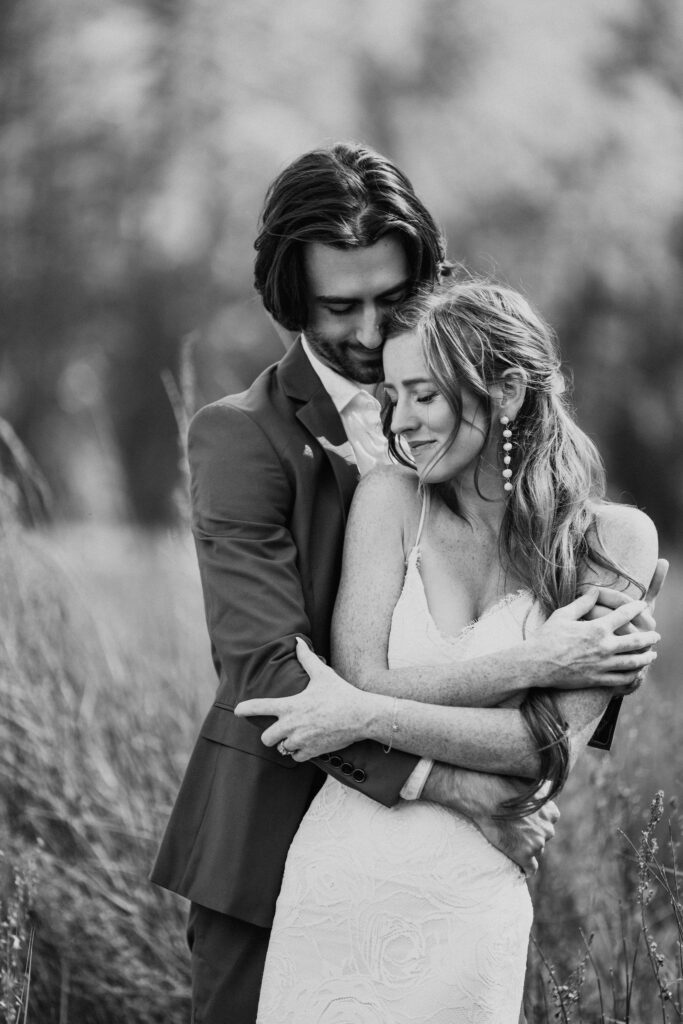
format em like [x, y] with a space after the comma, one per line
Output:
[349, 293]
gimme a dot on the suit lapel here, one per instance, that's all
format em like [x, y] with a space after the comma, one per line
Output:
[316, 412]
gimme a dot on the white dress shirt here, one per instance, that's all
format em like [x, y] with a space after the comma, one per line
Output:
[359, 411]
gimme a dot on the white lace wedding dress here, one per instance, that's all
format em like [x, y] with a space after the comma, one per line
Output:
[406, 914]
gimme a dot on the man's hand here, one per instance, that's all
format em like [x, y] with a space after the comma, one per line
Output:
[479, 797]
[522, 839]
[594, 652]
[328, 715]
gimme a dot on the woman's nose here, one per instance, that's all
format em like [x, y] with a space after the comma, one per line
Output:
[402, 419]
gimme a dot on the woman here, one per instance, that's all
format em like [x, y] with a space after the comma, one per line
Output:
[408, 914]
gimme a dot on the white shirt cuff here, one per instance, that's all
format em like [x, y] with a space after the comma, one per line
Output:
[414, 784]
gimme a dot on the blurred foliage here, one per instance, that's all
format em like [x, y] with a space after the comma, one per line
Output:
[137, 139]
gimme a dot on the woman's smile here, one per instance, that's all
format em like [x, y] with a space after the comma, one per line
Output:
[418, 446]
[443, 445]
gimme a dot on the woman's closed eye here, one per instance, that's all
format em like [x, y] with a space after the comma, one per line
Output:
[423, 399]
[389, 301]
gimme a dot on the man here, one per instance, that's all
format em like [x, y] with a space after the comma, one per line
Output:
[343, 237]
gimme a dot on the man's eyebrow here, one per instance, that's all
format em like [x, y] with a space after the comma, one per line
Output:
[401, 286]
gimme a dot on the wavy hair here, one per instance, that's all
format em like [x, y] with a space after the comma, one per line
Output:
[471, 333]
[347, 196]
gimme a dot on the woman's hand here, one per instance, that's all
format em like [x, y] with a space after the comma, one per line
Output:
[328, 715]
[609, 599]
[585, 648]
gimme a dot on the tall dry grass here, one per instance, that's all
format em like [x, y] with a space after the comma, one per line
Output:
[16, 938]
[607, 946]
[104, 677]
[608, 887]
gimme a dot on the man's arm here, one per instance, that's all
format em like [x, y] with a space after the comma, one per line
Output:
[330, 713]
[249, 567]
[247, 561]
[479, 797]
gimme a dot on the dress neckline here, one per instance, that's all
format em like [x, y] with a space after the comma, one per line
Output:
[413, 563]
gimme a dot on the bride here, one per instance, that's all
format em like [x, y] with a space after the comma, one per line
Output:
[407, 914]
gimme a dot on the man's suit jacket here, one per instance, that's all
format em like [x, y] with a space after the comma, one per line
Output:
[269, 512]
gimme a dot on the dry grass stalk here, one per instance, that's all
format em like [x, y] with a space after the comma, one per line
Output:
[93, 737]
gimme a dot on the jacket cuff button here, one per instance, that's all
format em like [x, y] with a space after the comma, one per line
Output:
[359, 775]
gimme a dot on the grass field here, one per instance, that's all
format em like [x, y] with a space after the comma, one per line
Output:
[105, 675]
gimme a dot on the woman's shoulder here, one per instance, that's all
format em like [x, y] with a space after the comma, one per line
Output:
[390, 496]
[396, 483]
[628, 537]
[624, 525]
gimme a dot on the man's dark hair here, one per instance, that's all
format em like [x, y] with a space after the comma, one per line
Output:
[347, 196]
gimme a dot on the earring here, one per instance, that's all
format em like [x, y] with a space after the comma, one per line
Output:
[507, 448]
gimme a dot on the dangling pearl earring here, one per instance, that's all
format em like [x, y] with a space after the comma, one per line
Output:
[507, 448]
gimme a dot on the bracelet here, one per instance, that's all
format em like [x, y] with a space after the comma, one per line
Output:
[394, 726]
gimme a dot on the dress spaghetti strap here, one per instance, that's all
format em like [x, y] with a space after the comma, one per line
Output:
[423, 515]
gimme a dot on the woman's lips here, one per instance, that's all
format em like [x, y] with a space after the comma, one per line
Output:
[418, 446]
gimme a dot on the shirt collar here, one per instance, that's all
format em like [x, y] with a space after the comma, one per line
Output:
[341, 390]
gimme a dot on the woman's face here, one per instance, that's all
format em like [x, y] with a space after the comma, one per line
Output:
[422, 417]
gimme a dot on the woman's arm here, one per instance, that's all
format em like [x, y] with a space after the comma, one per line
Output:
[330, 713]
[566, 653]
[628, 538]
[496, 739]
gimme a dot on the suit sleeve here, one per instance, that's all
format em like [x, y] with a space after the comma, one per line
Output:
[253, 597]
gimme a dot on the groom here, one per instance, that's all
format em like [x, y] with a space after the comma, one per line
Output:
[343, 237]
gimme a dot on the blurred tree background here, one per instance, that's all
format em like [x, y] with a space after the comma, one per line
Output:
[137, 139]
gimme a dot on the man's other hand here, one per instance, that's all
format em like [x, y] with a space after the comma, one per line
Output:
[479, 797]
[522, 839]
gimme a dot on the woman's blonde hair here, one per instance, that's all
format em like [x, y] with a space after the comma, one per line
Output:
[471, 333]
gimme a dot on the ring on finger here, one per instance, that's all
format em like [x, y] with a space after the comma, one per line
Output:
[283, 749]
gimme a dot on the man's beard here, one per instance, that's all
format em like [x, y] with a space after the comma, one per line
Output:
[347, 357]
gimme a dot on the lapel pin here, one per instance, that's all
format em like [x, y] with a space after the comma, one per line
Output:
[308, 451]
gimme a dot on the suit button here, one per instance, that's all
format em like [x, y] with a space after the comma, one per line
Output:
[324, 757]
[347, 768]
[359, 775]
[335, 761]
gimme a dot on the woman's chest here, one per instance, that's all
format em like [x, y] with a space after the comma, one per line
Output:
[463, 576]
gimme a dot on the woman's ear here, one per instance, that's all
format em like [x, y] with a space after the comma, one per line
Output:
[508, 393]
